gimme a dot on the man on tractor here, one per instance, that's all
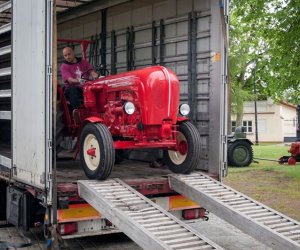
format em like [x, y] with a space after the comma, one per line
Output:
[72, 70]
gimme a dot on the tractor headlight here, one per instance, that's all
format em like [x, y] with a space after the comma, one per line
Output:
[129, 108]
[184, 109]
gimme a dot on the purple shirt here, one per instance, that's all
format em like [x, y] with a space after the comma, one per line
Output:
[74, 70]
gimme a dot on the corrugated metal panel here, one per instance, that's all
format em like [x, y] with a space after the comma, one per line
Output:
[5, 115]
[5, 50]
[5, 6]
[5, 93]
[5, 85]
[5, 28]
[5, 71]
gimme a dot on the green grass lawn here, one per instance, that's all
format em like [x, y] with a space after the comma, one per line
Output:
[275, 185]
[272, 152]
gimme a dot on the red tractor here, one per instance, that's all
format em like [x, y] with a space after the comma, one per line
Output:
[133, 110]
[295, 146]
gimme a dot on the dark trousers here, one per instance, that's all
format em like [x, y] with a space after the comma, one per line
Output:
[74, 96]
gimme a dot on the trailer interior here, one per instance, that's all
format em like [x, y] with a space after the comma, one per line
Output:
[125, 35]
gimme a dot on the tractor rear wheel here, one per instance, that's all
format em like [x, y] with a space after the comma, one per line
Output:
[239, 153]
[187, 157]
[97, 153]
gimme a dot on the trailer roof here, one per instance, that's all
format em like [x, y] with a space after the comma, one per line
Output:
[61, 6]
[66, 9]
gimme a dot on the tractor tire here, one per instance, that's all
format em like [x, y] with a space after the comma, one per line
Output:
[239, 154]
[187, 158]
[97, 153]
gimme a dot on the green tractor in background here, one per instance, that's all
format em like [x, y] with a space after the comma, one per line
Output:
[239, 151]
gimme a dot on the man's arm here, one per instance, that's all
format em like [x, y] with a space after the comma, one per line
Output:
[92, 72]
[67, 75]
[72, 80]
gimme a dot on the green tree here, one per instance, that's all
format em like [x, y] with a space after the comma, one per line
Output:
[265, 43]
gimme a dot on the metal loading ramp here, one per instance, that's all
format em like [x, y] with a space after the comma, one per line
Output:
[150, 226]
[261, 222]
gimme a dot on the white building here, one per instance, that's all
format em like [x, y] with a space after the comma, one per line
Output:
[276, 122]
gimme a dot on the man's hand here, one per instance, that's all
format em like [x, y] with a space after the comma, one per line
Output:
[94, 74]
[81, 81]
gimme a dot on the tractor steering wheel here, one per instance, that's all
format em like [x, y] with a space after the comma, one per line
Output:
[84, 75]
[101, 69]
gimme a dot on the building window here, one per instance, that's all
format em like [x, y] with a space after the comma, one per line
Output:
[248, 126]
[233, 126]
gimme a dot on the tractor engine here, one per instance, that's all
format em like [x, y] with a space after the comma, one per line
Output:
[119, 122]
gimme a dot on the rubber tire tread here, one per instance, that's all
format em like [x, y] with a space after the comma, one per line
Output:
[230, 154]
[193, 156]
[106, 145]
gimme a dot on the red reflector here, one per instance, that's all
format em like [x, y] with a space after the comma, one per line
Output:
[190, 214]
[68, 228]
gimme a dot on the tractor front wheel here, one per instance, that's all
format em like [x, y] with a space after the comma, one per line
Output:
[187, 156]
[97, 154]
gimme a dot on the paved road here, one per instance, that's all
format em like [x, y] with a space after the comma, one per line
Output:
[217, 230]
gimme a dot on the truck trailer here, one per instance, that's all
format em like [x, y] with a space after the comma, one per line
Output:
[38, 188]
[186, 37]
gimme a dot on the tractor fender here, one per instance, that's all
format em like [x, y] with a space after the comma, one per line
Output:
[232, 140]
[182, 119]
[93, 119]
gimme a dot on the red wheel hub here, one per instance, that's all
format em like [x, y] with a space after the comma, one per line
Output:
[182, 147]
[91, 152]
[292, 161]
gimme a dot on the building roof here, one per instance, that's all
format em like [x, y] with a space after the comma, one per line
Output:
[288, 104]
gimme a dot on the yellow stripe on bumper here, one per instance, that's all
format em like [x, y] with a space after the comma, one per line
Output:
[78, 212]
[180, 202]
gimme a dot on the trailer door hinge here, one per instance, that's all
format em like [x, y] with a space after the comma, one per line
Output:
[49, 177]
[49, 144]
[49, 70]
[224, 169]
[224, 139]
[226, 19]
[225, 80]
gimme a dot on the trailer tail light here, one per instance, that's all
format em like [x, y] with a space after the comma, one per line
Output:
[191, 214]
[68, 228]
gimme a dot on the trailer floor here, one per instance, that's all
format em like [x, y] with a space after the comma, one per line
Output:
[70, 171]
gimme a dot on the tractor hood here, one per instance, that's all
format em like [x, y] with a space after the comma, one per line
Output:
[157, 92]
